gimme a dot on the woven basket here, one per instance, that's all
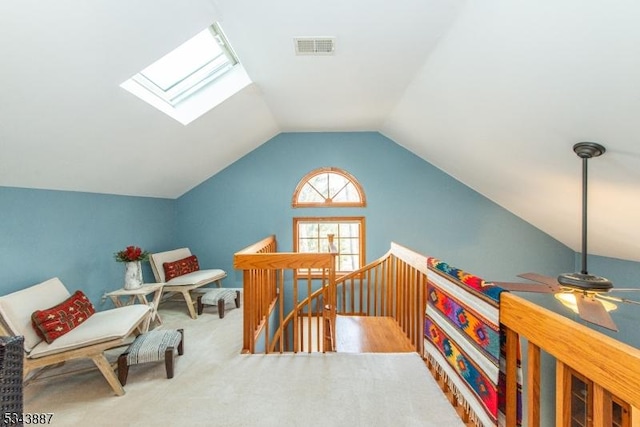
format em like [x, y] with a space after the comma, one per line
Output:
[11, 363]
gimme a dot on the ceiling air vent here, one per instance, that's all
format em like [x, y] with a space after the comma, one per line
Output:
[314, 45]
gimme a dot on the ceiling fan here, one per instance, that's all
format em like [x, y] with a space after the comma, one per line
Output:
[586, 294]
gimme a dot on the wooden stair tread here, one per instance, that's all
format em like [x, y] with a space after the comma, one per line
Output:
[370, 334]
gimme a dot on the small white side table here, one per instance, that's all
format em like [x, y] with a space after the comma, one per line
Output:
[123, 297]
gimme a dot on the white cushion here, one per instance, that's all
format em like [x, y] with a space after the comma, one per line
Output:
[157, 261]
[16, 308]
[199, 277]
[102, 326]
[212, 295]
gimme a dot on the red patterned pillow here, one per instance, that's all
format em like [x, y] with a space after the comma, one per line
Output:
[56, 321]
[180, 267]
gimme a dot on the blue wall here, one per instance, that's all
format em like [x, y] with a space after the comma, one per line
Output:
[409, 202]
[73, 236]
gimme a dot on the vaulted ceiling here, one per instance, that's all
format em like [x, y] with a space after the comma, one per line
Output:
[493, 92]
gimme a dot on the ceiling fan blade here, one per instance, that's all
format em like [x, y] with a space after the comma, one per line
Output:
[617, 299]
[525, 287]
[592, 310]
[551, 282]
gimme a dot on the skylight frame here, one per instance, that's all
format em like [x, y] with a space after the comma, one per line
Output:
[180, 90]
[208, 84]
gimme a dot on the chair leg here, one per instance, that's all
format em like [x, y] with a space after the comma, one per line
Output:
[200, 305]
[107, 372]
[123, 369]
[221, 307]
[181, 345]
[187, 298]
[168, 361]
[237, 299]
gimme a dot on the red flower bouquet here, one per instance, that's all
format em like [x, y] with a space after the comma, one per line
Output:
[131, 254]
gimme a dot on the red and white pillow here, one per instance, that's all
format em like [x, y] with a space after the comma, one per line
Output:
[60, 319]
[180, 267]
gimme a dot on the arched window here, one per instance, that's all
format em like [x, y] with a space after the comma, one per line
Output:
[328, 187]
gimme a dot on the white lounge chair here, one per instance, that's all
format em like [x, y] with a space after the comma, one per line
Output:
[101, 331]
[186, 283]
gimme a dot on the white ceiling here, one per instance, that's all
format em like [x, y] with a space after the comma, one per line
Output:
[493, 92]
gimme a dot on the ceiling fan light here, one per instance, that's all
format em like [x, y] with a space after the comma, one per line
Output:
[568, 299]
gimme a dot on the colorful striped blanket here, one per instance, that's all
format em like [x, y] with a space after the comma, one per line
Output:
[464, 342]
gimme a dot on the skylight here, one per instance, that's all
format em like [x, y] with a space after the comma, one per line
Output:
[191, 79]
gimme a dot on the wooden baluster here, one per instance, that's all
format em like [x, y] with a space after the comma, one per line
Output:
[533, 385]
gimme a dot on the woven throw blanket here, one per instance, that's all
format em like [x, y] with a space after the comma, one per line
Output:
[464, 342]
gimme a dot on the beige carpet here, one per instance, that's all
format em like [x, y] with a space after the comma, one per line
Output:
[214, 385]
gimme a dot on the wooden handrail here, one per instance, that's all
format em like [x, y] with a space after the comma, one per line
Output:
[395, 285]
[607, 362]
[282, 260]
[264, 292]
[268, 244]
[391, 286]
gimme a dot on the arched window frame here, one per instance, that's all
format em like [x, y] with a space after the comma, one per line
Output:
[329, 202]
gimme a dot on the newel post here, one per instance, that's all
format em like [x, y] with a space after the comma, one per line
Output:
[329, 312]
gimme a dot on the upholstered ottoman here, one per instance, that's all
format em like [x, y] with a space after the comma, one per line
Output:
[151, 346]
[219, 297]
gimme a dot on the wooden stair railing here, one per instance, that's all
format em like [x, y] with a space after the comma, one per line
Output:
[271, 281]
[392, 286]
[612, 366]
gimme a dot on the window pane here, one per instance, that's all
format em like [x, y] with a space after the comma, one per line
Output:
[312, 237]
[327, 186]
[347, 194]
[181, 62]
[348, 262]
[321, 183]
[336, 184]
[308, 245]
[349, 229]
[307, 229]
[328, 228]
[349, 246]
[309, 194]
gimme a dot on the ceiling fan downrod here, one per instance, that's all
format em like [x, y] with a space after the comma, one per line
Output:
[584, 280]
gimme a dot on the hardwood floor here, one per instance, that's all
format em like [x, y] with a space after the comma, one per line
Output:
[370, 334]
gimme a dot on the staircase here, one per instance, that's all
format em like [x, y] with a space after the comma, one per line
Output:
[295, 303]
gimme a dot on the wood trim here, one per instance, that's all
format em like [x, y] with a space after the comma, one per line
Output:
[563, 395]
[634, 413]
[282, 260]
[511, 398]
[259, 246]
[352, 179]
[533, 385]
[601, 407]
[360, 220]
[548, 330]
[414, 259]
